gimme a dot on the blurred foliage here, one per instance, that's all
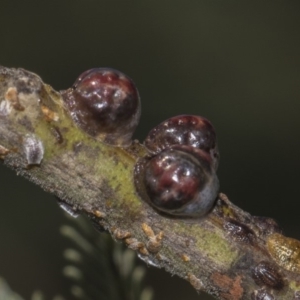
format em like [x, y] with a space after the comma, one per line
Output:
[234, 62]
[6, 293]
[100, 268]
[97, 268]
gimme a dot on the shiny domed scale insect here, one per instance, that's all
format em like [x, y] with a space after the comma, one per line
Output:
[105, 104]
[179, 176]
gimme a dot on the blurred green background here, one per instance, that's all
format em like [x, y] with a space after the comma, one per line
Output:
[234, 62]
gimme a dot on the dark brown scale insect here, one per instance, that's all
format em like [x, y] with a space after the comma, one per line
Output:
[189, 130]
[180, 176]
[178, 181]
[239, 232]
[57, 134]
[105, 103]
[266, 274]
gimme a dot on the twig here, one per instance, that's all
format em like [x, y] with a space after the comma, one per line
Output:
[228, 253]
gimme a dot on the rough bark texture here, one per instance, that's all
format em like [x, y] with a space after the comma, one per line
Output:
[228, 253]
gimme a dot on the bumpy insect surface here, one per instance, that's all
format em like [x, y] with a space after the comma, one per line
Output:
[177, 182]
[188, 130]
[106, 104]
[285, 251]
[239, 232]
[266, 274]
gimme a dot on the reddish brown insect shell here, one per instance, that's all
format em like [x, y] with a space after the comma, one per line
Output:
[105, 103]
[239, 232]
[266, 274]
[178, 181]
[188, 130]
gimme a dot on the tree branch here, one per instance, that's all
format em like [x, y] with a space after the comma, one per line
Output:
[228, 253]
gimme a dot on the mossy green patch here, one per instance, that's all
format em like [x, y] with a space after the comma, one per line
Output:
[214, 246]
[294, 285]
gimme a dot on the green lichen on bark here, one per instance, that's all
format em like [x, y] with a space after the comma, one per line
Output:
[215, 253]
